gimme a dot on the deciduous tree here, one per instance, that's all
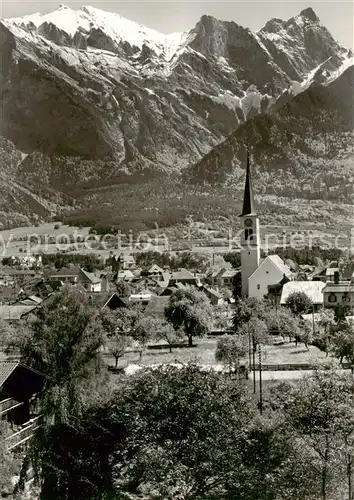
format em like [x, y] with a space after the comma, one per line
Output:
[190, 310]
[229, 350]
[299, 303]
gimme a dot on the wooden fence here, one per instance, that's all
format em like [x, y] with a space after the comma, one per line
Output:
[24, 435]
[8, 404]
[295, 366]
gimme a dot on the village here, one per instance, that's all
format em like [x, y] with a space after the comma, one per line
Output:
[258, 317]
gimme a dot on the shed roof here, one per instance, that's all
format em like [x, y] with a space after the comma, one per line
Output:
[8, 367]
[313, 289]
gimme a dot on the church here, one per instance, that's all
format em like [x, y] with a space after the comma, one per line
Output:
[257, 275]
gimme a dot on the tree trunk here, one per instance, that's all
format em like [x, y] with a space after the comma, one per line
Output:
[117, 358]
[324, 472]
[190, 340]
[170, 347]
[350, 479]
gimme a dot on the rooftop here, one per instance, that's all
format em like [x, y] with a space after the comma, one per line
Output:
[313, 289]
[15, 312]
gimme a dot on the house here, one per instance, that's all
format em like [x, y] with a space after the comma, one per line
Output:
[14, 313]
[185, 277]
[213, 295]
[222, 277]
[155, 271]
[31, 300]
[275, 291]
[140, 298]
[125, 275]
[128, 262]
[65, 275]
[339, 294]
[114, 302]
[313, 289]
[76, 275]
[89, 281]
[226, 277]
[122, 262]
[20, 388]
[156, 306]
[331, 272]
[270, 271]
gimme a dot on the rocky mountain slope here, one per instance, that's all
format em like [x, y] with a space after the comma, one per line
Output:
[91, 99]
[302, 149]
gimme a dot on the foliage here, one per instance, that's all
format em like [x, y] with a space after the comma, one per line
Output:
[321, 409]
[247, 308]
[305, 334]
[166, 332]
[299, 303]
[89, 262]
[309, 255]
[124, 290]
[145, 330]
[186, 260]
[63, 341]
[283, 322]
[229, 350]
[343, 342]
[9, 464]
[117, 345]
[237, 286]
[256, 329]
[167, 434]
[190, 310]
[116, 327]
[234, 258]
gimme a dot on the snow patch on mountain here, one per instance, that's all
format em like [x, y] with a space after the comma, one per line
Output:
[337, 73]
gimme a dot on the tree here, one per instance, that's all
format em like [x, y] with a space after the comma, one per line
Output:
[166, 433]
[299, 303]
[321, 410]
[124, 290]
[145, 330]
[117, 345]
[237, 286]
[282, 322]
[256, 329]
[165, 331]
[9, 464]
[245, 309]
[190, 310]
[229, 350]
[326, 324]
[343, 342]
[64, 341]
[304, 334]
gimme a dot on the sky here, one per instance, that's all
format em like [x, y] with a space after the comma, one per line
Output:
[169, 16]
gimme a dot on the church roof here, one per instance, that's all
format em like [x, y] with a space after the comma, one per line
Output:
[248, 199]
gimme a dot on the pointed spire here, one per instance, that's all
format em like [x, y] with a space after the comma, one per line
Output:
[248, 201]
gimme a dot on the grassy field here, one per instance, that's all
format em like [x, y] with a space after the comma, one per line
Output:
[204, 353]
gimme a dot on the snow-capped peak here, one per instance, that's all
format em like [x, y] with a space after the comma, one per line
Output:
[114, 25]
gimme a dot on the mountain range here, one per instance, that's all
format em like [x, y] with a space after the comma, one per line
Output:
[91, 100]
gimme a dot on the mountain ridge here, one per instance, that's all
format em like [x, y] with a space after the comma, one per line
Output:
[105, 99]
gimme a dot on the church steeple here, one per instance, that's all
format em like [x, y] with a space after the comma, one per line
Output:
[248, 200]
[250, 235]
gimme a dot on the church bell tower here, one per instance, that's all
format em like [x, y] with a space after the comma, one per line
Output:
[250, 235]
